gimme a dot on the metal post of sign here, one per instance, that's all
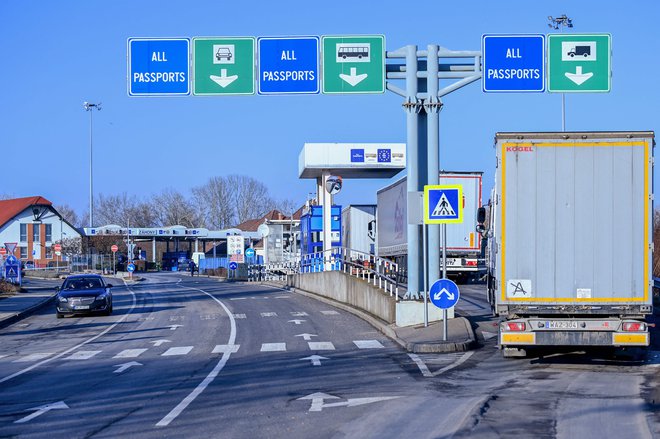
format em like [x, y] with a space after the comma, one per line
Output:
[444, 276]
[114, 266]
[560, 23]
[432, 106]
[426, 289]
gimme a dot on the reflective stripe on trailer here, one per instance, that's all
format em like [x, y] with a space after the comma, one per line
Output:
[630, 339]
[526, 338]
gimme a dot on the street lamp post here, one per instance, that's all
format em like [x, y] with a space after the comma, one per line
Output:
[560, 23]
[88, 106]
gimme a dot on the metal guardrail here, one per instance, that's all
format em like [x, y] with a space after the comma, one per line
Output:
[380, 272]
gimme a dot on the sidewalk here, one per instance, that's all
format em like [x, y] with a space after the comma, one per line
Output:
[22, 304]
[416, 339]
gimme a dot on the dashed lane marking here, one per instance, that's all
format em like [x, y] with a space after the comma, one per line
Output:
[273, 347]
[299, 314]
[130, 353]
[226, 349]
[240, 316]
[368, 344]
[181, 350]
[32, 357]
[321, 346]
[268, 314]
[330, 313]
[82, 355]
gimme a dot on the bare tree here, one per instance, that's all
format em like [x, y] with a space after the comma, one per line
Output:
[69, 214]
[6, 196]
[251, 199]
[213, 203]
[124, 209]
[172, 208]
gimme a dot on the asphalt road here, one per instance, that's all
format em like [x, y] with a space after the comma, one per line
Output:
[194, 357]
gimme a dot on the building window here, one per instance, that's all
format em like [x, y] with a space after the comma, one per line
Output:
[49, 253]
[23, 232]
[23, 252]
[49, 232]
[35, 233]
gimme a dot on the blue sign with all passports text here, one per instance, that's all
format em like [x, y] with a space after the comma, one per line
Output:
[513, 63]
[288, 65]
[158, 66]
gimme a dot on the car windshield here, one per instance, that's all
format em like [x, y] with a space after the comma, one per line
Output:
[84, 283]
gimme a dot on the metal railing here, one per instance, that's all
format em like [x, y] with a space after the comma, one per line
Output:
[380, 272]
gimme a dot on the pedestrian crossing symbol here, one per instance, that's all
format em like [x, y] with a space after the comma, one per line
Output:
[443, 204]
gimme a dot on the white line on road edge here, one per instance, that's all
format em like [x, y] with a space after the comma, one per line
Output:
[422, 367]
[456, 363]
[176, 411]
[109, 328]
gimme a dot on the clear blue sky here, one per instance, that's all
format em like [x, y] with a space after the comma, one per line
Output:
[55, 55]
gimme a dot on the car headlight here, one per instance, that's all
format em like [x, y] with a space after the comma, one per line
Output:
[63, 299]
[103, 296]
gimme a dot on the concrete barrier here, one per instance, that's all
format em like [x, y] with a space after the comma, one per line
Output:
[347, 289]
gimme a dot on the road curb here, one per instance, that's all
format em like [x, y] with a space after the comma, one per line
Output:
[388, 330]
[13, 318]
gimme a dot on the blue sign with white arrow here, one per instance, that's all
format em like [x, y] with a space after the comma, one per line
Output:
[233, 265]
[444, 293]
[13, 269]
[288, 65]
[130, 268]
[249, 252]
[158, 66]
[513, 63]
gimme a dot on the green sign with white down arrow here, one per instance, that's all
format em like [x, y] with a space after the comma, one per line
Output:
[579, 63]
[353, 64]
[223, 66]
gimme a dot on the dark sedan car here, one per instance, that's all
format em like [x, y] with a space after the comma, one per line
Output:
[84, 293]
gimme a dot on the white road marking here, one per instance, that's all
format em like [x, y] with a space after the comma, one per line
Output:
[208, 316]
[268, 314]
[176, 411]
[368, 344]
[82, 355]
[125, 366]
[273, 347]
[299, 314]
[319, 398]
[41, 410]
[174, 327]
[32, 357]
[316, 359]
[330, 313]
[240, 316]
[238, 298]
[282, 297]
[422, 367]
[456, 363]
[176, 318]
[488, 335]
[321, 345]
[160, 342]
[297, 322]
[226, 349]
[180, 350]
[2, 356]
[130, 353]
[306, 336]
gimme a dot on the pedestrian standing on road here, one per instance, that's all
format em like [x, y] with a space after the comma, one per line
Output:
[192, 267]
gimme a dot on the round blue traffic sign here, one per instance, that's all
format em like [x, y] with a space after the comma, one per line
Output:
[444, 293]
[233, 265]
[249, 252]
[130, 268]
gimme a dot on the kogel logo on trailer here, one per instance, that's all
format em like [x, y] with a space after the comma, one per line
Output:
[513, 63]
[288, 65]
[158, 66]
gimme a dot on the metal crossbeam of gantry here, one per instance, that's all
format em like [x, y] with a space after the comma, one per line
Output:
[422, 71]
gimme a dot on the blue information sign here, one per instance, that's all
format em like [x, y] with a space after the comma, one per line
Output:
[158, 66]
[233, 265]
[513, 63]
[288, 65]
[130, 268]
[444, 293]
[13, 269]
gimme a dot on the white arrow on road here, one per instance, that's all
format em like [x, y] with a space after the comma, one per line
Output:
[439, 294]
[578, 77]
[41, 410]
[223, 80]
[297, 322]
[307, 337]
[353, 79]
[123, 367]
[160, 342]
[173, 327]
[316, 359]
[319, 398]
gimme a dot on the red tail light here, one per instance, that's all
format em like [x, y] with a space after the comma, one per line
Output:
[471, 263]
[515, 326]
[634, 327]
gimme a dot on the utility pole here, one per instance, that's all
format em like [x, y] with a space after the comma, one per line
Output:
[89, 107]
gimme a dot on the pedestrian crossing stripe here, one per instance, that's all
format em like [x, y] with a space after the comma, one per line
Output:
[443, 204]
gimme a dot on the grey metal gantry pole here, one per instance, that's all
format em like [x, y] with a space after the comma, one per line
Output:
[432, 106]
[89, 107]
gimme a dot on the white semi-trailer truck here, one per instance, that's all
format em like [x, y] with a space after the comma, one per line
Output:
[570, 240]
[464, 254]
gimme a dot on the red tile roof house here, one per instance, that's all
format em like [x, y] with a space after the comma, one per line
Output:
[33, 224]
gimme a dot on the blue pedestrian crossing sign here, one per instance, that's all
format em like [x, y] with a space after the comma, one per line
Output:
[12, 269]
[444, 293]
[443, 204]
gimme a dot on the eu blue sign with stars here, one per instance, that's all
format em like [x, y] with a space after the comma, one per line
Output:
[158, 66]
[443, 204]
[288, 65]
[513, 63]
